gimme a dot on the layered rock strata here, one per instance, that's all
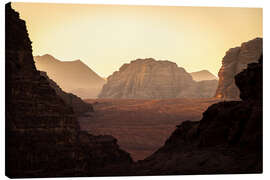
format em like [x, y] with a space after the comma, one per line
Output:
[151, 79]
[43, 138]
[235, 60]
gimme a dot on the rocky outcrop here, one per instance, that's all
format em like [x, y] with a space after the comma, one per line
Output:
[235, 60]
[228, 139]
[72, 76]
[43, 138]
[203, 75]
[78, 105]
[151, 79]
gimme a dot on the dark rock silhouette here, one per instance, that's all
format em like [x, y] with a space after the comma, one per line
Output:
[72, 76]
[151, 79]
[203, 75]
[78, 105]
[43, 138]
[235, 60]
[228, 139]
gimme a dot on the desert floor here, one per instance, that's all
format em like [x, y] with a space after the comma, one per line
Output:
[141, 126]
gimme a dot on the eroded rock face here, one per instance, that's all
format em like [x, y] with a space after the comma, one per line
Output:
[78, 105]
[151, 79]
[228, 139]
[43, 138]
[235, 60]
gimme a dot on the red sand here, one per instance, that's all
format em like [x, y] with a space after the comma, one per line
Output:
[141, 126]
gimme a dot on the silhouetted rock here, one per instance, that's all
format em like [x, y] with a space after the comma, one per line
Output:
[43, 138]
[151, 79]
[77, 104]
[249, 81]
[72, 76]
[235, 60]
[228, 139]
[203, 75]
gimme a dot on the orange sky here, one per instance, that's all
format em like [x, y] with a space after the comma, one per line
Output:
[107, 36]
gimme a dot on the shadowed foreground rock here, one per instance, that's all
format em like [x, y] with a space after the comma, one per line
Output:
[43, 138]
[228, 139]
[78, 105]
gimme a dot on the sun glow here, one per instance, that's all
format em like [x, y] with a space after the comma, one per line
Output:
[106, 36]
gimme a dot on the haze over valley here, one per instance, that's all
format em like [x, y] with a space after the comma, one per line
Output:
[115, 90]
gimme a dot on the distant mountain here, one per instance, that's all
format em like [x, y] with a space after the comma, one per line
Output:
[78, 105]
[154, 79]
[72, 76]
[236, 60]
[203, 75]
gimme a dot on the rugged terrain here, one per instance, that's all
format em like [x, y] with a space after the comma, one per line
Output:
[236, 60]
[152, 79]
[43, 137]
[203, 75]
[72, 76]
[78, 105]
[141, 126]
[228, 139]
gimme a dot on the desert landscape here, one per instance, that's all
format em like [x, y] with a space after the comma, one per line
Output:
[173, 107]
[141, 126]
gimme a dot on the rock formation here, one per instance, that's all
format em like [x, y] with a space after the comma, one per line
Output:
[235, 60]
[78, 105]
[151, 79]
[43, 138]
[203, 75]
[228, 139]
[72, 76]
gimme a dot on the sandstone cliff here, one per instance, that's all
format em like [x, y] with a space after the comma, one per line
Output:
[72, 76]
[235, 60]
[43, 138]
[228, 139]
[151, 79]
[78, 105]
[203, 75]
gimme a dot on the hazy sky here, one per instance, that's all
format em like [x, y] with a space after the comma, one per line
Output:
[106, 36]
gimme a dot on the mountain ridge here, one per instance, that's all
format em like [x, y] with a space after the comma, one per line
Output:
[203, 75]
[154, 79]
[72, 76]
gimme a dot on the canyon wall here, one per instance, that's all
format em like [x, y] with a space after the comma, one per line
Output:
[228, 139]
[43, 138]
[235, 60]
